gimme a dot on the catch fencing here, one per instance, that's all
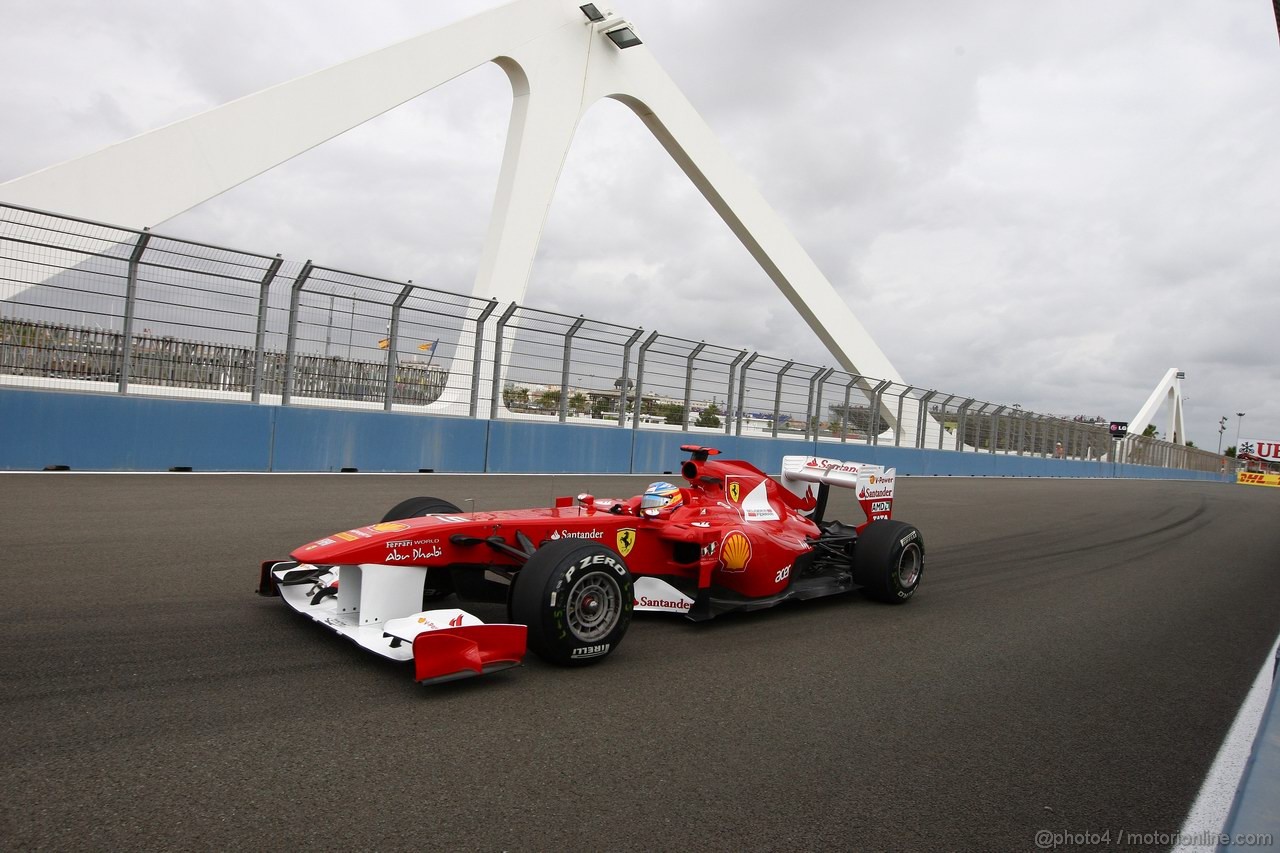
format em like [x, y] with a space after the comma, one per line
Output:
[90, 306]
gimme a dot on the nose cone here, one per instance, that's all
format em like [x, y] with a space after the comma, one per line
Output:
[370, 544]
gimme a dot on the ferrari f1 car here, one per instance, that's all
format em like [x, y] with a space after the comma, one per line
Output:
[572, 574]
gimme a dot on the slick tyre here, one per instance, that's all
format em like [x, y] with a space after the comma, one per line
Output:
[439, 583]
[418, 507]
[576, 598]
[888, 561]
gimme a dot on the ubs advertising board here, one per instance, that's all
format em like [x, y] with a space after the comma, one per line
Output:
[1260, 450]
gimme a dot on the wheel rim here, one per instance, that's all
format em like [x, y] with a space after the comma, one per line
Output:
[909, 566]
[593, 608]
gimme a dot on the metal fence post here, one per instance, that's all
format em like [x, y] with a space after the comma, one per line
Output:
[260, 335]
[877, 395]
[130, 308]
[393, 338]
[922, 419]
[942, 418]
[644, 350]
[497, 361]
[688, 382]
[564, 367]
[962, 422]
[291, 339]
[844, 417]
[626, 377]
[728, 399]
[777, 397]
[476, 357]
[814, 408]
[742, 390]
[902, 399]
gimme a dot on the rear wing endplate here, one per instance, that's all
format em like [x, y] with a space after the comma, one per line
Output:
[872, 484]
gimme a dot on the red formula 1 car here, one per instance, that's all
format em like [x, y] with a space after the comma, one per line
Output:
[572, 574]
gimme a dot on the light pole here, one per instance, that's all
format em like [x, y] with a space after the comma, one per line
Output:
[1239, 421]
[1222, 427]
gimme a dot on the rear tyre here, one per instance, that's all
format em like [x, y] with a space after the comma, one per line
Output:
[439, 583]
[888, 561]
[576, 597]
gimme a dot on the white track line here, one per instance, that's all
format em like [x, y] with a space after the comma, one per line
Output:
[1218, 792]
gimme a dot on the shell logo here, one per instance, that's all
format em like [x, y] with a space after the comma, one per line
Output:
[389, 527]
[735, 552]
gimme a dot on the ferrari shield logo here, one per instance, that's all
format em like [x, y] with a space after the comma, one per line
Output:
[735, 491]
[626, 540]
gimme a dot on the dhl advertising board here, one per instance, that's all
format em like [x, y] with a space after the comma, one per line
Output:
[1250, 478]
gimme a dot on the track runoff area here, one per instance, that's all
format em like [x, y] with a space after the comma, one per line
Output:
[1067, 672]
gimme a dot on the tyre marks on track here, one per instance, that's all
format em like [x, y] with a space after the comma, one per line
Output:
[1064, 554]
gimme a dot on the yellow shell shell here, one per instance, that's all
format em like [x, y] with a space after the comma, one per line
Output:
[735, 553]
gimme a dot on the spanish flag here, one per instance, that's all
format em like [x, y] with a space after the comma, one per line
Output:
[384, 343]
[428, 346]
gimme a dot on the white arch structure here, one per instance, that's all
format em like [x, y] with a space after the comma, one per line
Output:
[1167, 389]
[559, 64]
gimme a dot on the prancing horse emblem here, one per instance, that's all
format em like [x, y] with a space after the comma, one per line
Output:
[735, 491]
[626, 540]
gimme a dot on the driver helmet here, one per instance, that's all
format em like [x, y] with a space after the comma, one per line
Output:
[660, 496]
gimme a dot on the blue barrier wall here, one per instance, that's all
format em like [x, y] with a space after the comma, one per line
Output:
[107, 432]
[92, 432]
[527, 447]
[329, 440]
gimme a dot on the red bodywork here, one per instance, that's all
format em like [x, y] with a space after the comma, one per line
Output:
[737, 528]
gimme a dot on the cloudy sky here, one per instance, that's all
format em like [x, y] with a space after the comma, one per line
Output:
[1045, 203]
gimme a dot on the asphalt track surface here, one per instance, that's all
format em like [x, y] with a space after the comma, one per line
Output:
[1074, 657]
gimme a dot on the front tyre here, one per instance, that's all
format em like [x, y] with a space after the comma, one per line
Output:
[576, 598]
[439, 583]
[419, 507]
[888, 561]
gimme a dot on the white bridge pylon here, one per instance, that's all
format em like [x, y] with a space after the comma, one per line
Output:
[1168, 389]
[559, 64]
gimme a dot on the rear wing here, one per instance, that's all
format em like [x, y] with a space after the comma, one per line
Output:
[872, 484]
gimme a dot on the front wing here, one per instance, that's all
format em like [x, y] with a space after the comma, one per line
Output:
[366, 607]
